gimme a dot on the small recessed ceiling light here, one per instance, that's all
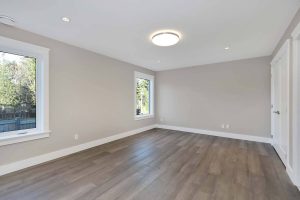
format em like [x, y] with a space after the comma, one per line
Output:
[165, 39]
[227, 48]
[66, 19]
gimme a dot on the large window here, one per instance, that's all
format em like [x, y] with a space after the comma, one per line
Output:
[17, 92]
[23, 91]
[144, 91]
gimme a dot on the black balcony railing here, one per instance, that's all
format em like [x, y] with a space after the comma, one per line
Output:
[17, 118]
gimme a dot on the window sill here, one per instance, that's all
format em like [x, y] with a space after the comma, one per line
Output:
[12, 139]
[143, 117]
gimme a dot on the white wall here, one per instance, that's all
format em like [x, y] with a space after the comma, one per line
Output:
[90, 95]
[205, 97]
[287, 35]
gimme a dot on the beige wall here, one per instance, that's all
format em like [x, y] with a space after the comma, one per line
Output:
[287, 33]
[205, 97]
[286, 36]
[90, 95]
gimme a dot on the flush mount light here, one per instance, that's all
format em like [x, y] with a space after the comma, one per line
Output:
[165, 39]
[4, 19]
[66, 19]
[227, 48]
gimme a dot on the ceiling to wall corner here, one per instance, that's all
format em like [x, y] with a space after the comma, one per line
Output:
[211, 31]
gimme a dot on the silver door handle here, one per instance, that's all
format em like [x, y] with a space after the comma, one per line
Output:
[276, 112]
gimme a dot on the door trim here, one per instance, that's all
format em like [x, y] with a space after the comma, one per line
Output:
[296, 105]
[283, 51]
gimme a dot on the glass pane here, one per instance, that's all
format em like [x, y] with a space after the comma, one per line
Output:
[17, 92]
[142, 97]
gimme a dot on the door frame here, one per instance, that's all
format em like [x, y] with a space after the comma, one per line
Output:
[283, 51]
[296, 106]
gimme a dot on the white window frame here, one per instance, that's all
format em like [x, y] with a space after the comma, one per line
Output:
[42, 91]
[151, 79]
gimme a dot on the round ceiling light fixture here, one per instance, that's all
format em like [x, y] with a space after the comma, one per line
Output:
[165, 38]
[66, 19]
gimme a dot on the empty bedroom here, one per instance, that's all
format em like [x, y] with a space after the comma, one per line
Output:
[150, 100]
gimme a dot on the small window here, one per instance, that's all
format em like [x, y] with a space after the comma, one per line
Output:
[23, 89]
[144, 91]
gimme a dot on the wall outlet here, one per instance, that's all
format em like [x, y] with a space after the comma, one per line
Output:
[76, 136]
[227, 126]
[223, 126]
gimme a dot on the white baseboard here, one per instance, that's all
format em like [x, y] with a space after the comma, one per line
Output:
[16, 166]
[290, 173]
[217, 133]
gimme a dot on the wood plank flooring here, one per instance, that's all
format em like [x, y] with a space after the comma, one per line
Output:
[158, 165]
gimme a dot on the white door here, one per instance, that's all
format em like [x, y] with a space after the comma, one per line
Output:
[279, 112]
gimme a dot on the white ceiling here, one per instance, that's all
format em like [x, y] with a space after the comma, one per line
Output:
[121, 28]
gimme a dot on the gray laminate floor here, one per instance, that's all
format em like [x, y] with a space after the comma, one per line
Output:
[158, 164]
